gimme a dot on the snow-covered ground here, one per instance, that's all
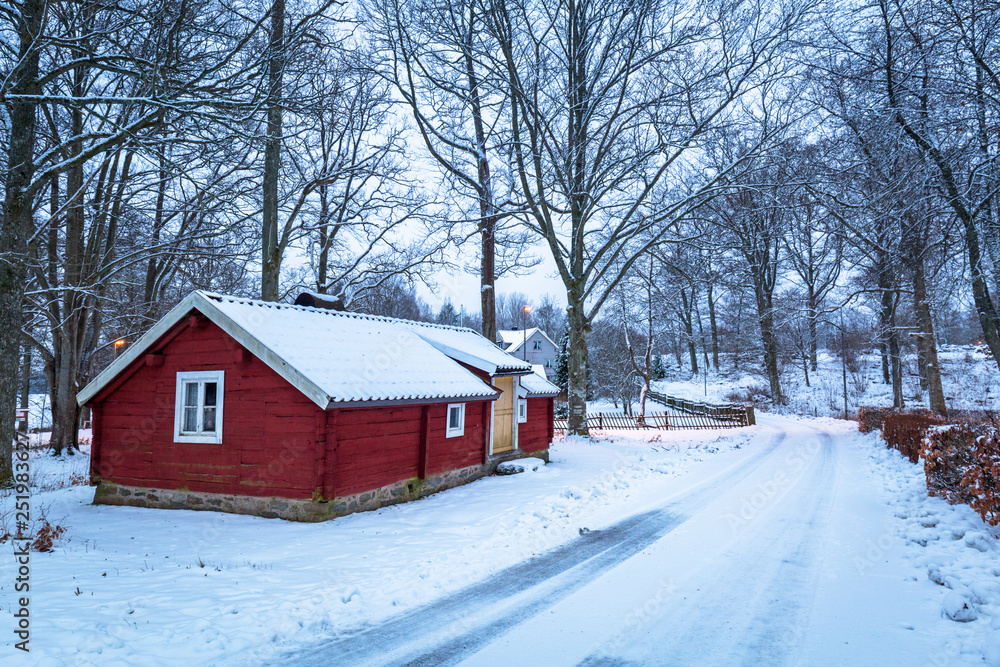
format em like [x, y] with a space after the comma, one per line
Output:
[971, 381]
[796, 542]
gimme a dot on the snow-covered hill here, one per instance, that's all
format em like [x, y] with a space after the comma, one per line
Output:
[971, 381]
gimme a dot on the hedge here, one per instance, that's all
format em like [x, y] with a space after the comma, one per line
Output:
[961, 460]
[904, 431]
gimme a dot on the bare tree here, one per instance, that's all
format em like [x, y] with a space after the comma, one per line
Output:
[437, 58]
[757, 217]
[290, 51]
[607, 100]
[110, 83]
[815, 241]
[940, 83]
[19, 86]
[645, 314]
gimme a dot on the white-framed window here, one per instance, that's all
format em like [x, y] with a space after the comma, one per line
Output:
[456, 420]
[537, 345]
[522, 410]
[198, 407]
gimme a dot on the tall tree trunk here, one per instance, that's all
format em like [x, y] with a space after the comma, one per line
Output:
[324, 250]
[926, 341]
[885, 315]
[270, 269]
[675, 347]
[736, 333]
[576, 320]
[883, 351]
[153, 264]
[890, 337]
[487, 274]
[487, 207]
[17, 223]
[68, 335]
[813, 314]
[765, 316]
[897, 370]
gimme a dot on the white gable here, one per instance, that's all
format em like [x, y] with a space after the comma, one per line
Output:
[513, 339]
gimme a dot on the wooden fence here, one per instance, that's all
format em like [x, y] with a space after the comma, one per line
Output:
[724, 410]
[732, 417]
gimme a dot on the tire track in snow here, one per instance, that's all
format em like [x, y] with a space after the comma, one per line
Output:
[765, 625]
[442, 632]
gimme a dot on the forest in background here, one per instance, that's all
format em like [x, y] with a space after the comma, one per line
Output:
[730, 177]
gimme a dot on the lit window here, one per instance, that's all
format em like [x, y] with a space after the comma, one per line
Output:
[456, 420]
[522, 410]
[198, 407]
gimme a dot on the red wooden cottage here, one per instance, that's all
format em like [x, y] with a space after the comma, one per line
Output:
[304, 413]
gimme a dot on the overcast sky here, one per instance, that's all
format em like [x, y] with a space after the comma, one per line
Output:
[463, 288]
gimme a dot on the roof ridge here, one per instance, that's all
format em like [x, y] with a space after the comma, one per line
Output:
[325, 311]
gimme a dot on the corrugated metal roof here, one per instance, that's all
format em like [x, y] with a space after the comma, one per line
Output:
[353, 357]
[470, 347]
[346, 358]
[538, 385]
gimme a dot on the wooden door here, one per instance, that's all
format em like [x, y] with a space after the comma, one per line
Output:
[503, 416]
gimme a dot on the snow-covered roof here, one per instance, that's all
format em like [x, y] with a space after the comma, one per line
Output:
[514, 338]
[538, 385]
[470, 347]
[337, 358]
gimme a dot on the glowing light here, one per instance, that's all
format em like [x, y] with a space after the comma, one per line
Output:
[527, 309]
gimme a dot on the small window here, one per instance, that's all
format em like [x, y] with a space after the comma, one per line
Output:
[522, 410]
[198, 407]
[456, 420]
[548, 363]
[538, 345]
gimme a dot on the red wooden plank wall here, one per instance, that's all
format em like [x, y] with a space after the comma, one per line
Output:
[379, 446]
[461, 451]
[268, 426]
[534, 434]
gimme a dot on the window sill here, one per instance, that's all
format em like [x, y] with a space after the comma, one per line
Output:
[204, 439]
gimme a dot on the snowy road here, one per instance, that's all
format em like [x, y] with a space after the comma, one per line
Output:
[768, 561]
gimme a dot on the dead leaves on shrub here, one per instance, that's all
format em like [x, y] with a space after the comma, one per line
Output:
[870, 418]
[982, 477]
[962, 465]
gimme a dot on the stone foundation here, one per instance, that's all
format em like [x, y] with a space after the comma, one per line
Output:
[109, 493]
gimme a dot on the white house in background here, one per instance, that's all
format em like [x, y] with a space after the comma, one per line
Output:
[531, 345]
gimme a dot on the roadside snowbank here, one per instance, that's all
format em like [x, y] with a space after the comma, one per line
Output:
[944, 546]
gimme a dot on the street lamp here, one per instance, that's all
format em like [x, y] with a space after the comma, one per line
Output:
[119, 346]
[524, 344]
